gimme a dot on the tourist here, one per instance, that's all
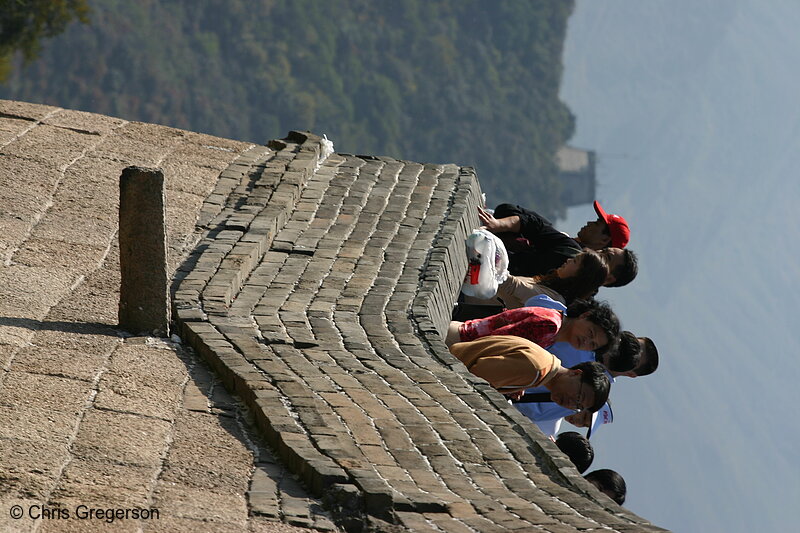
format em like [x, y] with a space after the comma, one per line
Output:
[587, 325]
[512, 364]
[609, 483]
[631, 355]
[535, 247]
[578, 278]
[577, 448]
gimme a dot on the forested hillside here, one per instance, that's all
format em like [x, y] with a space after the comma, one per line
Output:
[473, 82]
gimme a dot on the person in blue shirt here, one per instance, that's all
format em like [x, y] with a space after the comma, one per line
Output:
[633, 357]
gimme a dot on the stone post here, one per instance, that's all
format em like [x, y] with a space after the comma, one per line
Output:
[144, 291]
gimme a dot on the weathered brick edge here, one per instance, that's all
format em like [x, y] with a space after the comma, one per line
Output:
[445, 269]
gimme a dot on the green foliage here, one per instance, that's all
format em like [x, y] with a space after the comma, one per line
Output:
[466, 81]
[24, 23]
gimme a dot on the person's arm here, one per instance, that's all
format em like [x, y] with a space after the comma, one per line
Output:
[539, 231]
[504, 319]
[509, 224]
[535, 324]
[529, 224]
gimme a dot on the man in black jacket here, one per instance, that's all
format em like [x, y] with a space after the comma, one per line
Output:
[535, 247]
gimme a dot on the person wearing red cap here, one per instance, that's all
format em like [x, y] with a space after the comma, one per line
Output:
[607, 231]
[535, 247]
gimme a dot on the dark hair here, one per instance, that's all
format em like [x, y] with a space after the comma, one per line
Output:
[611, 348]
[599, 313]
[608, 482]
[626, 272]
[577, 448]
[650, 356]
[594, 375]
[627, 355]
[592, 272]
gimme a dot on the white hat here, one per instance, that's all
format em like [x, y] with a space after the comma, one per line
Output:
[604, 416]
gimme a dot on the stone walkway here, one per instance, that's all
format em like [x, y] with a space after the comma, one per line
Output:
[88, 415]
[314, 292]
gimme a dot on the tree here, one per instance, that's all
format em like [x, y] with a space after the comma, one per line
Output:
[24, 23]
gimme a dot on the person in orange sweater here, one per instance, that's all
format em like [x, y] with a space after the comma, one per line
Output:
[512, 364]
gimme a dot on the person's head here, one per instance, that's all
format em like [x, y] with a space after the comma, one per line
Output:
[589, 325]
[625, 357]
[579, 276]
[582, 419]
[609, 483]
[584, 386]
[594, 234]
[577, 448]
[607, 230]
[648, 360]
[623, 265]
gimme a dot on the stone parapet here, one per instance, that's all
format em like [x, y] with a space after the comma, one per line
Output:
[319, 291]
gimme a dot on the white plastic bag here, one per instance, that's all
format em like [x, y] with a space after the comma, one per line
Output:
[488, 264]
[326, 149]
[326, 146]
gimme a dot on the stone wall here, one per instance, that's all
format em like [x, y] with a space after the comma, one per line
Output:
[319, 291]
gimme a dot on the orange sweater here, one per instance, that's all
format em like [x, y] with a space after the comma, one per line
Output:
[508, 363]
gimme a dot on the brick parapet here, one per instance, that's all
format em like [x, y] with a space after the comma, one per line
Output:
[319, 292]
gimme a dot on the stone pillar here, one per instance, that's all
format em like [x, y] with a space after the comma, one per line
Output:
[144, 291]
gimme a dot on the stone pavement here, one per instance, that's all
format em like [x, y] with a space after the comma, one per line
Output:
[88, 414]
[314, 289]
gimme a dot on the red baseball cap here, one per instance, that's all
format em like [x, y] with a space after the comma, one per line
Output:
[617, 227]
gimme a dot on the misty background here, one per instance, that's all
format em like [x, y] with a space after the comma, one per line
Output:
[692, 109]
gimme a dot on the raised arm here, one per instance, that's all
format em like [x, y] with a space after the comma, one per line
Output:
[499, 225]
